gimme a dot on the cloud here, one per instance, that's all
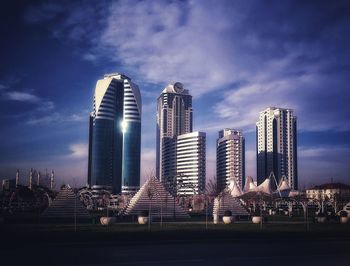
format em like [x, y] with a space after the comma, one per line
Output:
[252, 55]
[22, 97]
[78, 151]
[2, 87]
[244, 54]
[27, 97]
[57, 117]
[47, 119]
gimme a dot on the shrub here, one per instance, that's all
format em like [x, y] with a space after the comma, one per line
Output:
[321, 214]
[144, 213]
[228, 213]
[343, 214]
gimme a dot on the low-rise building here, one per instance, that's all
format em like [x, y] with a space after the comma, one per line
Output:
[328, 191]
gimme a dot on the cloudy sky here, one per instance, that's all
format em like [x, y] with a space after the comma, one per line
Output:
[235, 57]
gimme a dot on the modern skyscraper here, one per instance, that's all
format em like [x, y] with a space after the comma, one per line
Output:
[190, 162]
[174, 118]
[276, 137]
[115, 134]
[230, 158]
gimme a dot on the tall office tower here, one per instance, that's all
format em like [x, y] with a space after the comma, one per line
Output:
[276, 137]
[190, 163]
[230, 158]
[115, 134]
[174, 118]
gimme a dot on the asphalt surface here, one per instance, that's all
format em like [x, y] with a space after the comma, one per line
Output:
[213, 247]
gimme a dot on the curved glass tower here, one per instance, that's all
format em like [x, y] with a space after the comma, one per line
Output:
[115, 134]
[131, 137]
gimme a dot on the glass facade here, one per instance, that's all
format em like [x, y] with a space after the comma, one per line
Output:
[115, 135]
[131, 156]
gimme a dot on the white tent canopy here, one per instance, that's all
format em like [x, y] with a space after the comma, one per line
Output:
[234, 188]
[249, 185]
[265, 187]
[284, 185]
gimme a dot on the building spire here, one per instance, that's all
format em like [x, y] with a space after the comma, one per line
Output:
[52, 179]
[17, 177]
[38, 179]
[31, 178]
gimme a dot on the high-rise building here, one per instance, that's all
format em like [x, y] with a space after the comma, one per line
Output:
[174, 118]
[230, 158]
[190, 163]
[276, 137]
[115, 134]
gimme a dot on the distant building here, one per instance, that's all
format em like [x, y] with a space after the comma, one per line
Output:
[174, 118]
[328, 191]
[190, 162]
[8, 184]
[115, 134]
[230, 158]
[276, 137]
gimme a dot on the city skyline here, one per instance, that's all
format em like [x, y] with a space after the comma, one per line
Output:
[253, 56]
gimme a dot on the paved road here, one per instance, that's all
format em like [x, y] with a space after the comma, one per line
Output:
[184, 248]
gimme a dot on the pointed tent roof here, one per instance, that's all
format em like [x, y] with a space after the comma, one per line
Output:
[283, 185]
[283, 189]
[249, 184]
[234, 188]
[154, 194]
[225, 201]
[265, 187]
[65, 205]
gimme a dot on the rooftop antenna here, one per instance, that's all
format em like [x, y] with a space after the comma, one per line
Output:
[17, 177]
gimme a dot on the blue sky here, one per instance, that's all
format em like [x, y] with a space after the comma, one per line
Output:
[235, 57]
